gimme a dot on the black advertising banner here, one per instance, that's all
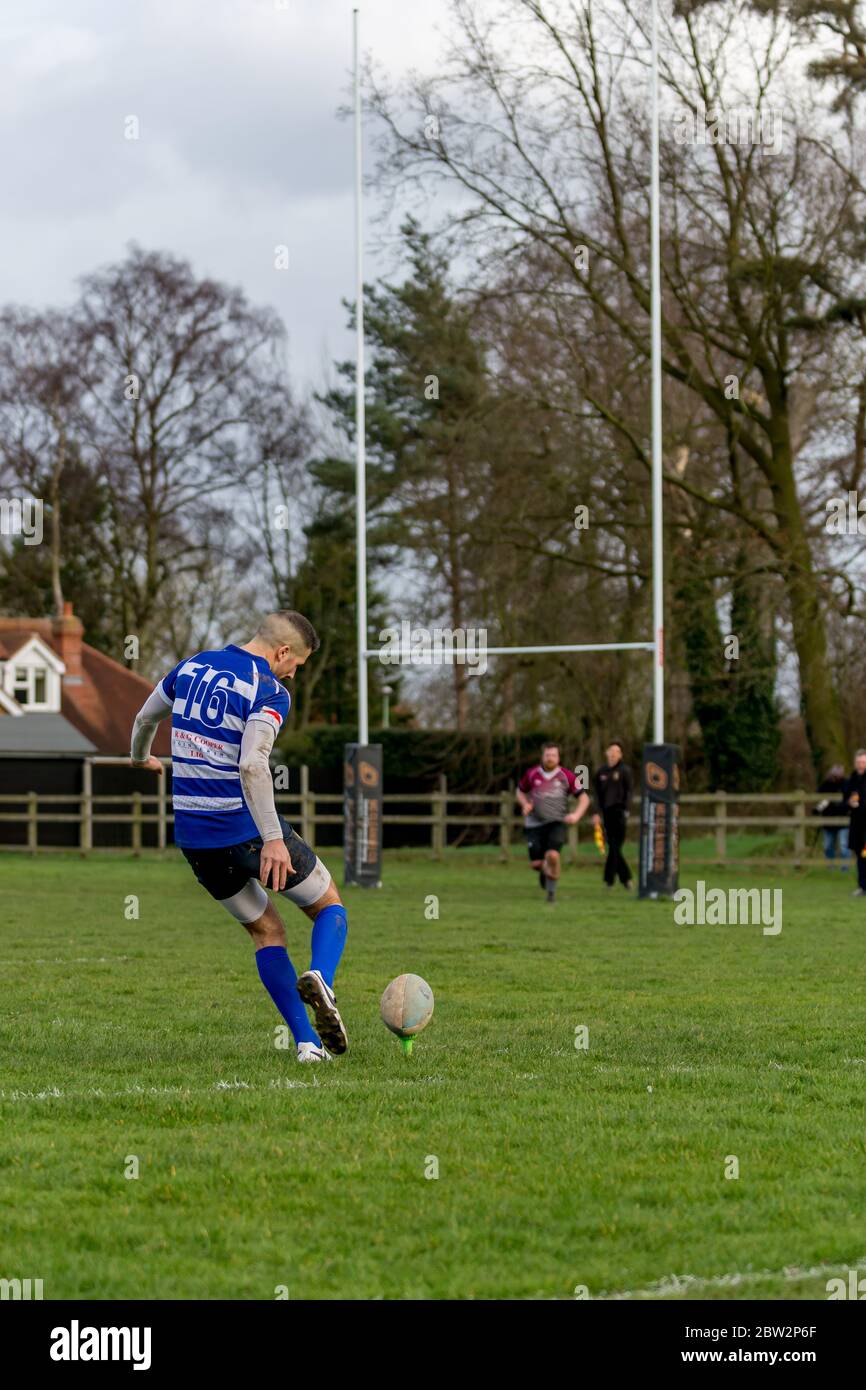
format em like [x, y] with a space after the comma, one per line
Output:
[362, 806]
[659, 820]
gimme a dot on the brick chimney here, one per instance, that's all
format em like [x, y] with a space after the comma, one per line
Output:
[67, 633]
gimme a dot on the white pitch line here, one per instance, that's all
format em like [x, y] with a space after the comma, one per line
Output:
[97, 1093]
[66, 960]
[280, 1083]
[673, 1284]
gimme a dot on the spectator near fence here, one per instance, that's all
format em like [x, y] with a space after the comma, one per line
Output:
[835, 836]
[855, 799]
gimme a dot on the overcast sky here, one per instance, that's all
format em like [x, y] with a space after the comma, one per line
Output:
[239, 149]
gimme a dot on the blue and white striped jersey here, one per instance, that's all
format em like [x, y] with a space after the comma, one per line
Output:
[213, 696]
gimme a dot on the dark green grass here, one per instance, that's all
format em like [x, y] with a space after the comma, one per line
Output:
[557, 1167]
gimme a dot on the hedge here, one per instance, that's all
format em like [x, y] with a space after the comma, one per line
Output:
[477, 761]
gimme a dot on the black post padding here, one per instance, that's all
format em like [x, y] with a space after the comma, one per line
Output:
[659, 821]
[362, 814]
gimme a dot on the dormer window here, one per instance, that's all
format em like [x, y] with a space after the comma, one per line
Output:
[31, 678]
[30, 686]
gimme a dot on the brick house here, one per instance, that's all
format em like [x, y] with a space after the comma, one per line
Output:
[60, 695]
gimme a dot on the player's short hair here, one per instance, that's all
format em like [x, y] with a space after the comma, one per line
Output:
[616, 743]
[861, 753]
[551, 743]
[287, 626]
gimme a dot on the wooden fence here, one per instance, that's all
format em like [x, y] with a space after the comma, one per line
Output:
[715, 813]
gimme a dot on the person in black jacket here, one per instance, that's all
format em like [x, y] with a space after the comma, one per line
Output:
[855, 799]
[613, 797]
[835, 836]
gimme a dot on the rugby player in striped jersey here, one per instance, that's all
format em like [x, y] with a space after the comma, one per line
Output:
[542, 794]
[226, 708]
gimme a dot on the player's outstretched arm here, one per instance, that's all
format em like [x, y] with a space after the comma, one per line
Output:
[147, 721]
[275, 863]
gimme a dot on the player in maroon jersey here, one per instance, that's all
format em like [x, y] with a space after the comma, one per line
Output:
[542, 794]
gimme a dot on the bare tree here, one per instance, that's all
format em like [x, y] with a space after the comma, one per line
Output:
[170, 367]
[41, 421]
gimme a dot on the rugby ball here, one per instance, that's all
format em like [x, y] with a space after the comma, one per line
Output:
[407, 1005]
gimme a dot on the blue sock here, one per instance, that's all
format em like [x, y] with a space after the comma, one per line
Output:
[329, 938]
[280, 980]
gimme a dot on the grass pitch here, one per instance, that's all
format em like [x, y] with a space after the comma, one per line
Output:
[558, 1167]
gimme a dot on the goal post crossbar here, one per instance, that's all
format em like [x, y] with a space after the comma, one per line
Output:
[403, 655]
